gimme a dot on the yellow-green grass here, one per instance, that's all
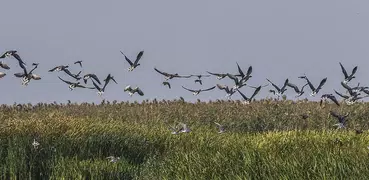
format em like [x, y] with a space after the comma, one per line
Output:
[263, 140]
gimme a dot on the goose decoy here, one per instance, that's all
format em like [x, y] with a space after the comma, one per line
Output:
[73, 85]
[113, 159]
[297, 90]
[220, 127]
[93, 76]
[229, 91]
[170, 76]
[279, 91]
[166, 83]
[133, 65]
[341, 119]
[313, 89]
[2, 74]
[218, 75]
[348, 78]
[78, 62]
[14, 54]
[35, 144]
[132, 91]
[329, 96]
[243, 76]
[184, 128]
[196, 92]
[3, 65]
[247, 100]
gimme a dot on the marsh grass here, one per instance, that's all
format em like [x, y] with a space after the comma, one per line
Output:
[263, 140]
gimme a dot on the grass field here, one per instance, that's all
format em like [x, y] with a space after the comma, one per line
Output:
[263, 140]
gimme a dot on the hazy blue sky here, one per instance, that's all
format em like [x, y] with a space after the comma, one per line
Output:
[280, 39]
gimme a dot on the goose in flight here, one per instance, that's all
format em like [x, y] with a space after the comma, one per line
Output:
[4, 66]
[299, 92]
[89, 76]
[73, 85]
[100, 90]
[238, 82]
[218, 75]
[65, 69]
[342, 119]
[59, 68]
[313, 89]
[28, 76]
[278, 91]
[2, 74]
[110, 77]
[350, 90]
[199, 76]
[133, 65]
[324, 97]
[13, 53]
[166, 83]
[348, 78]
[221, 128]
[229, 91]
[78, 62]
[171, 76]
[247, 100]
[246, 76]
[196, 92]
[132, 91]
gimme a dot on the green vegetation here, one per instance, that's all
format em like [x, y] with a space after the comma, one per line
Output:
[264, 140]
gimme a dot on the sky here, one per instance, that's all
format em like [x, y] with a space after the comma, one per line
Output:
[280, 39]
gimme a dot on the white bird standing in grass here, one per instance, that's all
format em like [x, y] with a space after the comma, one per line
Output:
[113, 159]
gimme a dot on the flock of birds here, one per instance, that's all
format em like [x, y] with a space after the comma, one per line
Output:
[240, 79]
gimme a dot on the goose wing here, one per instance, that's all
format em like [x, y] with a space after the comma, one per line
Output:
[354, 71]
[93, 76]
[321, 84]
[217, 74]
[243, 95]
[96, 86]
[240, 70]
[255, 92]
[208, 89]
[139, 91]
[275, 86]
[294, 87]
[163, 73]
[139, 55]
[128, 60]
[68, 82]
[53, 69]
[343, 96]
[343, 71]
[333, 98]
[188, 89]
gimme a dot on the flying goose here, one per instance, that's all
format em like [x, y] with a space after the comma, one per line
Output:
[73, 85]
[199, 76]
[170, 76]
[110, 77]
[219, 75]
[297, 90]
[131, 91]
[328, 96]
[99, 89]
[246, 99]
[27, 76]
[279, 91]
[246, 76]
[78, 62]
[350, 90]
[15, 55]
[93, 76]
[229, 91]
[166, 83]
[348, 78]
[220, 127]
[2, 74]
[134, 64]
[341, 119]
[196, 92]
[3, 65]
[313, 89]
[238, 82]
